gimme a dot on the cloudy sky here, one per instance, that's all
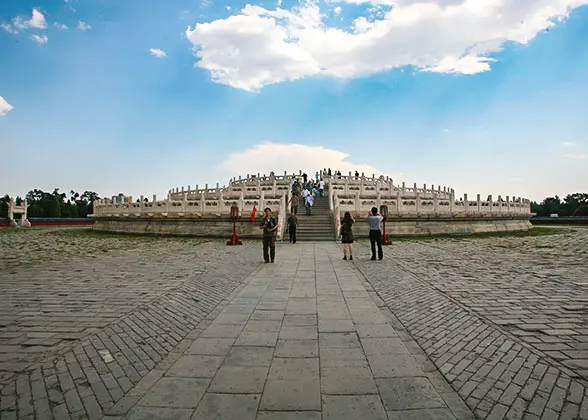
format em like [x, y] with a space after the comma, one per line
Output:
[139, 96]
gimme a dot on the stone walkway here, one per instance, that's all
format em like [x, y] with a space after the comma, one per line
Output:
[304, 338]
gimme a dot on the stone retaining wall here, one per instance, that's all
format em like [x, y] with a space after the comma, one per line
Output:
[430, 227]
[222, 227]
[211, 227]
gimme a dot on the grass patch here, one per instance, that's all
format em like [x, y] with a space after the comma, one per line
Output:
[100, 234]
[536, 231]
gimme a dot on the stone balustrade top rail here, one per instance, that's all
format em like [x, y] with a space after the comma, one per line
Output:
[346, 192]
[253, 184]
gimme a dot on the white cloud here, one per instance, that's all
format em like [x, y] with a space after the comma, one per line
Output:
[58, 25]
[576, 156]
[8, 28]
[228, 8]
[292, 157]
[157, 52]
[567, 143]
[21, 23]
[337, 10]
[41, 40]
[5, 107]
[83, 26]
[257, 47]
[36, 21]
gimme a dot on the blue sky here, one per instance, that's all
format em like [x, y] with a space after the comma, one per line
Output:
[138, 97]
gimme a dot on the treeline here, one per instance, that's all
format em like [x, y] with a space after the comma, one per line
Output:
[572, 205]
[55, 204]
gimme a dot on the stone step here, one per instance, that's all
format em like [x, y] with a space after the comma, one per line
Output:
[328, 232]
[314, 223]
[315, 236]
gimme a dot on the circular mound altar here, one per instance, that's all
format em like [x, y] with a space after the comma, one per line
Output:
[412, 210]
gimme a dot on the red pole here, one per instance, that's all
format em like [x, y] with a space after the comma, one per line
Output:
[385, 239]
[234, 239]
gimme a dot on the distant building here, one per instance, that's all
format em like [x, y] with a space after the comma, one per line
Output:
[122, 199]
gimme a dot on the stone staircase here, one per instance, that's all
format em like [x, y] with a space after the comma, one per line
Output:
[318, 226]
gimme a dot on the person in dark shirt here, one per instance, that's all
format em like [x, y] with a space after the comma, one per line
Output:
[374, 219]
[270, 229]
[292, 224]
[347, 235]
[294, 203]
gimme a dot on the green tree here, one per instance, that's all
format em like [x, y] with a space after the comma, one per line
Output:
[4, 205]
[551, 205]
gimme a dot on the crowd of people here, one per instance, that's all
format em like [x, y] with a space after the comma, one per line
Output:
[307, 189]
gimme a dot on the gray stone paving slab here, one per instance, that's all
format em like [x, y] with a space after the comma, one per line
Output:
[211, 346]
[117, 316]
[291, 394]
[297, 348]
[249, 356]
[397, 366]
[337, 407]
[159, 413]
[227, 407]
[265, 339]
[289, 415]
[176, 392]
[239, 380]
[422, 414]
[294, 368]
[503, 319]
[409, 393]
[196, 366]
[298, 336]
[347, 380]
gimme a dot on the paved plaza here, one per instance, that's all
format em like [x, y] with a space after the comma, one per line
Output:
[100, 326]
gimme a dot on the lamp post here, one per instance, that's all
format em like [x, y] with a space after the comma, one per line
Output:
[234, 214]
[384, 213]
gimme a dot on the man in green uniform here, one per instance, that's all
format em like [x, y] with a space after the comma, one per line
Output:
[270, 229]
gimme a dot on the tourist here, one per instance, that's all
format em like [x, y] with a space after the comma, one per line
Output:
[317, 176]
[347, 235]
[315, 191]
[321, 187]
[270, 228]
[374, 218]
[329, 172]
[292, 224]
[304, 177]
[295, 187]
[356, 175]
[294, 203]
[308, 201]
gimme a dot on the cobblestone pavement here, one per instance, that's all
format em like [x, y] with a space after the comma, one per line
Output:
[504, 319]
[305, 338]
[78, 332]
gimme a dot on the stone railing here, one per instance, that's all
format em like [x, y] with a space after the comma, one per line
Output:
[250, 186]
[409, 205]
[349, 184]
[335, 210]
[252, 179]
[199, 206]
